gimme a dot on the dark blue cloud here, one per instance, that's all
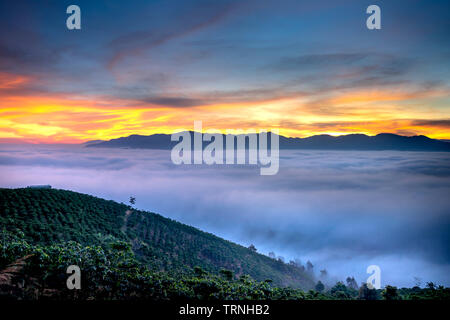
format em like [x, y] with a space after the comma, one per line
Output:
[158, 45]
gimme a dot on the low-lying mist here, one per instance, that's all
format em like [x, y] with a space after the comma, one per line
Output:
[343, 211]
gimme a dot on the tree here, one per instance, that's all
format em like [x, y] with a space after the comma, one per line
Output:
[390, 293]
[340, 291]
[199, 272]
[228, 274]
[339, 286]
[272, 255]
[365, 293]
[245, 278]
[252, 247]
[319, 286]
[431, 285]
[351, 283]
[132, 200]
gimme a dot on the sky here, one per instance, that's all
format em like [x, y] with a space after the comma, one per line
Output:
[144, 67]
[342, 210]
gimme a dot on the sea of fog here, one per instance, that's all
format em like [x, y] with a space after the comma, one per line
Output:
[342, 210]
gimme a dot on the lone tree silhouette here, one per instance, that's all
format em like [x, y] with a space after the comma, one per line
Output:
[132, 200]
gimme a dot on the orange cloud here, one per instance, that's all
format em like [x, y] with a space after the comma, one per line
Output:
[60, 118]
[9, 81]
[371, 96]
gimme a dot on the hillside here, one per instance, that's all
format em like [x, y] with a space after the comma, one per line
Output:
[48, 216]
[382, 141]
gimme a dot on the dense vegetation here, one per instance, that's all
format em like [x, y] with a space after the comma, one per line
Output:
[129, 254]
[48, 216]
[111, 271]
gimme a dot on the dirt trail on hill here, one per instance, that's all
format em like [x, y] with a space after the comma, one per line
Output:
[125, 220]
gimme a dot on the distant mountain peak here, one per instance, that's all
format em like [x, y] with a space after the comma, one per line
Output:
[354, 141]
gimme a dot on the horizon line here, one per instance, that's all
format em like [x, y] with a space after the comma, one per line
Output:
[19, 141]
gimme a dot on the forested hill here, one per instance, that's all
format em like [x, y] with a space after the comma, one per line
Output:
[48, 216]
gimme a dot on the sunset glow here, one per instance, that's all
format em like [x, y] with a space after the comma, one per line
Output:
[87, 85]
[63, 119]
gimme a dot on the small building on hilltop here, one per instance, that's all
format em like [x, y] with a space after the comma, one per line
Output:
[40, 186]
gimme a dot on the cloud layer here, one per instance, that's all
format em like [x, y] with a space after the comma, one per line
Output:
[341, 210]
[154, 67]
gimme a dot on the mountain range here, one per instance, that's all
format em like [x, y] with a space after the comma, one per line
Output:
[382, 141]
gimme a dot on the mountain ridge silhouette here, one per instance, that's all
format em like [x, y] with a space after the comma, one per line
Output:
[381, 141]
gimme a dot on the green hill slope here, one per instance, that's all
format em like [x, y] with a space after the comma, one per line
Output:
[49, 216]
